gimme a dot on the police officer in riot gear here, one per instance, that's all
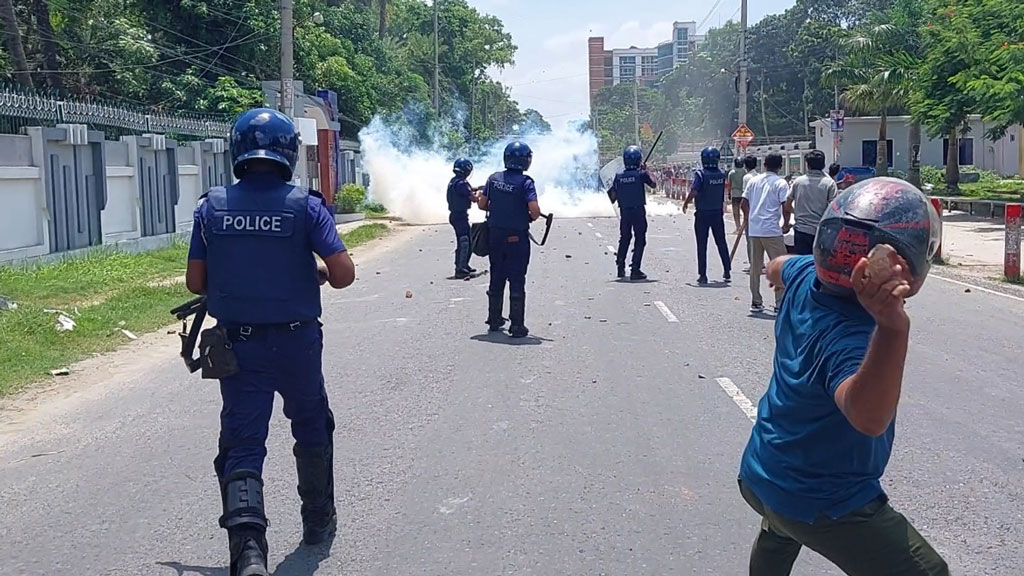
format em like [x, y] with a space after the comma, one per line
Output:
[708, 191]
[628, 189]
[460, 196]
[252, 255]
[510, 197]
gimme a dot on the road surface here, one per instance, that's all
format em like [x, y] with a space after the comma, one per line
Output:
[607, 443]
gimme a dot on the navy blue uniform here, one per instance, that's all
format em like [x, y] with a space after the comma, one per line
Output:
[460, 194]
[709, 187]
[631, 194]
[258, 238]
[509, 194]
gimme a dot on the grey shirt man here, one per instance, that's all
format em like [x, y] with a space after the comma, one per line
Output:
[810, 195]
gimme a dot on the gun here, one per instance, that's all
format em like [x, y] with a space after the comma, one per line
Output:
[195, 307]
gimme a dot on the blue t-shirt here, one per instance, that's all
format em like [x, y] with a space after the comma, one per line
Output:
[804, 458]
[323, 233]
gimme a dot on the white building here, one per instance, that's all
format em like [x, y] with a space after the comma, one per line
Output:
[858, 145]
[610, 67]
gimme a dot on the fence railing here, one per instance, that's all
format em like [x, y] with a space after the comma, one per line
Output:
[21, 108]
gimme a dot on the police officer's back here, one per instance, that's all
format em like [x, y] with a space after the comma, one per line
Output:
[510, 197]
[629, 190]
[252, 255]
[708, 190]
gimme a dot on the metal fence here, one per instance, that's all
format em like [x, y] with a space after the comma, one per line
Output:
[20, 108]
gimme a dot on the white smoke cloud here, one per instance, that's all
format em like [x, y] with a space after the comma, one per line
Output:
[412, 180]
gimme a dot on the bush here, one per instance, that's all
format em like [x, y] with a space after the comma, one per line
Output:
[350, 199]
[932, 175]
[374, 208]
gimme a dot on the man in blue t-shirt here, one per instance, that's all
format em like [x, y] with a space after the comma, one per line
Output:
[825, 427]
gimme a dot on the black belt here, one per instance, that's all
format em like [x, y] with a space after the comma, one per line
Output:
[242, 330]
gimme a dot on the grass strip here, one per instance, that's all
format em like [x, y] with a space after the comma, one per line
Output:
[104, 293]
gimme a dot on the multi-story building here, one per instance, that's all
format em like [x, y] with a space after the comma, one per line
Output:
[644, 65]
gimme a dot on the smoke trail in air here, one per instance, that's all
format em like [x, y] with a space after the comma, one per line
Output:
[410, 169]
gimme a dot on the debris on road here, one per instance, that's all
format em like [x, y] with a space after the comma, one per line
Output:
[567, 256]
[129, 334]
[967, 290]
[7, 304]
[408, 293]
[702, 377]
[65, 324]
[60, 372]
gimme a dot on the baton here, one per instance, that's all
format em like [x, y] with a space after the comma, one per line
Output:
[548, 218]
[736, 244]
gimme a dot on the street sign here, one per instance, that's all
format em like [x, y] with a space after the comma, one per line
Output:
[838, 118]
[743, 136]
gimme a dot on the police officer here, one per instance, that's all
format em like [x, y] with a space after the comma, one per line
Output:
[628, 190]
[252, 256]
[511, 198]
[708, 191]
[460, 196]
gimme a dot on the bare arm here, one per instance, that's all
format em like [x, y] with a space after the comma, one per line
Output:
[341, 271]
[534, 210]
[195, 276]
[774, 272]
[482, 202]
[869, 398]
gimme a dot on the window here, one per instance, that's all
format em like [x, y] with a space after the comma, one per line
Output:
[648, 65]
[869, 152]
[682, 34]
[627, 72]
[966, 146]
[627, 60]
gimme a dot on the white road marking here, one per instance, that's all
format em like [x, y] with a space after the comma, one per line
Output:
[598, 234]
[590, 224]
[611, 249]
[738, 397]
[979, 288]
[665, 311]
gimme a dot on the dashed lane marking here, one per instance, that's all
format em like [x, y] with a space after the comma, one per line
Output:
[738, 397]
[665, 311]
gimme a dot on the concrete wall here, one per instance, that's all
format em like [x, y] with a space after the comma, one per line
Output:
[1003, 156]
[36, 194]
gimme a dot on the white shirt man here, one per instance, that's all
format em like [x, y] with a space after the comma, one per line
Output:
[764, 209]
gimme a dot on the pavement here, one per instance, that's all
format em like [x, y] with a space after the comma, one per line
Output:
[606, 443]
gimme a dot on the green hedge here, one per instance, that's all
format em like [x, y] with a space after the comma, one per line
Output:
[350, 199]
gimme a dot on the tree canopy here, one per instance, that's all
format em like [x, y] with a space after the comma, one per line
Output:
[211, 55]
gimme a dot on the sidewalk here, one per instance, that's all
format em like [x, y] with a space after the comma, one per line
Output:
[974, 244]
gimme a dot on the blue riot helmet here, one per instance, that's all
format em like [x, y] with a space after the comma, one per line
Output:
[263, 133]
[632, 157]
[463, 167]
[518, 156]
[709, 157]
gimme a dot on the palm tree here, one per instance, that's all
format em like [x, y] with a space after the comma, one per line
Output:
[878, 72]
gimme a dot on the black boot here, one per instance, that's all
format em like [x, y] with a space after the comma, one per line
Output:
[315, 470]
[462, 254]
[246, 522]
[637, 274]
[620, 270]
[517, 315]
[495, 302]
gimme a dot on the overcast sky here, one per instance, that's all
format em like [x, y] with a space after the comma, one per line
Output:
[550, 73]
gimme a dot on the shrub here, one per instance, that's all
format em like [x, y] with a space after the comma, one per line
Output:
[374, 208]
[932, 175]
[350, 199]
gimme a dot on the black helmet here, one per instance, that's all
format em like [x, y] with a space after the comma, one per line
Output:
[463, 167]
[875, 211]
[632, 157]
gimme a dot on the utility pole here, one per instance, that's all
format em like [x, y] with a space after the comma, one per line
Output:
[287, 60]
[437, 66]
[636, 109]
[743, 63]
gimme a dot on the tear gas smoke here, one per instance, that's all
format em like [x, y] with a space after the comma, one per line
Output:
[411, 180]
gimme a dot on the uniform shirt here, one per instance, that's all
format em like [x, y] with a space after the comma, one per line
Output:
[323, 233]
[460, 196]
[811, 194]
[527, 188]
[804, 459]
[766, 194]
[629, 188]
[736, 180]
[709, 186]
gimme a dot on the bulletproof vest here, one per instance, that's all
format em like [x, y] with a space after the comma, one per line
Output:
[629, 188]
[506, 197]
[712, 191]
[260, 267]
[455, 202]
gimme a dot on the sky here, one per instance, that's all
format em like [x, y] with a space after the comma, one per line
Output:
[550, 73]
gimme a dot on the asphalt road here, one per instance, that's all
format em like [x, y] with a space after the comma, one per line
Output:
[604, 444]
